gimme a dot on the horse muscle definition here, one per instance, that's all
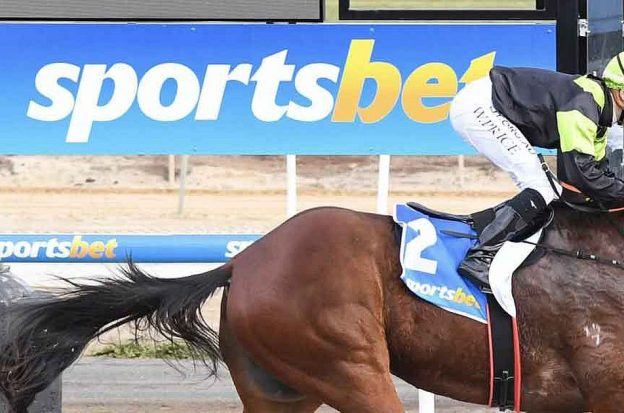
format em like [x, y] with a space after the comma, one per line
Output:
[315, 313]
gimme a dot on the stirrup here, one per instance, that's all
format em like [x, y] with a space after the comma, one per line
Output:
[480, 257]
[481, 279]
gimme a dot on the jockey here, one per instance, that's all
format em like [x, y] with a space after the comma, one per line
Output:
[504, 116]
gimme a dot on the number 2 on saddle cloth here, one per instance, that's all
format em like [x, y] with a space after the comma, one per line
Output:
[430, 257]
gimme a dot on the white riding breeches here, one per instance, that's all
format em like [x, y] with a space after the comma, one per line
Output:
[473, 116]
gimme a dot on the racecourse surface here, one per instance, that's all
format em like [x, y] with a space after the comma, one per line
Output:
[100, 385]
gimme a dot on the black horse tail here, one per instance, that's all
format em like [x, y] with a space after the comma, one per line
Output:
[44, 337]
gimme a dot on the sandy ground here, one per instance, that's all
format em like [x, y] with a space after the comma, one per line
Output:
[226, 195]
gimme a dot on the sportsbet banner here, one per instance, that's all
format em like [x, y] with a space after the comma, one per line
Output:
[247, 89]
[118, 248]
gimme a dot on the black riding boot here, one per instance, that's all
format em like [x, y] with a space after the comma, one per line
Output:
[511, 220]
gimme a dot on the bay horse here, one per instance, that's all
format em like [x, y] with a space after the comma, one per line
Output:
[315, 312]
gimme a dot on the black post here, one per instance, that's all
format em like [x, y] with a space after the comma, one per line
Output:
[569, 58]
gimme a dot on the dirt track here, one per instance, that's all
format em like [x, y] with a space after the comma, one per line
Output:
[226, 194]
[100, 211]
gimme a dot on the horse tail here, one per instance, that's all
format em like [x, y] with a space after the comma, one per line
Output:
[45, 337]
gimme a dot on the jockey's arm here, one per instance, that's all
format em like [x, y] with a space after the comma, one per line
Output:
[584, 162]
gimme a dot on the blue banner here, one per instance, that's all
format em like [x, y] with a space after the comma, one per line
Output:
[430, 258]
[118, 248]
[325, 89]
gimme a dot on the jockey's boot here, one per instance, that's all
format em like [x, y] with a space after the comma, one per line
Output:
[513, 220]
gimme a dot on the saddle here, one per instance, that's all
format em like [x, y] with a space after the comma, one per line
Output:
[467, 219]
[480, 222]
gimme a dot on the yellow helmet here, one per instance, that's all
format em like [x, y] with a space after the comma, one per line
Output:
[614, 72]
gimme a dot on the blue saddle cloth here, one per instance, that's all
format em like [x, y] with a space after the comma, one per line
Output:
[430, 259]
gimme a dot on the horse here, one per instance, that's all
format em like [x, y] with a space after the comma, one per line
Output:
[315, 312]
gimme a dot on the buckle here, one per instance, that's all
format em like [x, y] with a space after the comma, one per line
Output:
[543, 163]
[502, 384]
[488, 291]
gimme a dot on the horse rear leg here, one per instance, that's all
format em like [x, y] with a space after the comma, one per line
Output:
[352, 388]
[353, 376]
[259, 391]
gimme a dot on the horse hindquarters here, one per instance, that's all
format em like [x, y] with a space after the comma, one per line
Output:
[306, 304]
[258, 390]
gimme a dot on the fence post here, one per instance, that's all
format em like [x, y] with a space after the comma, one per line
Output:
[383, 184]
[182, 193]
[291, 185]
[461, 170]
[171, 170]
[426, 402]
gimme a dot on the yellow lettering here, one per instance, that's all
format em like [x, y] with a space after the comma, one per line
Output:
[358, 68]
[470, 300]
[96, 249]
[111, 245]
[79, 248]
[479, 67]
[430, 80]
[460, 296]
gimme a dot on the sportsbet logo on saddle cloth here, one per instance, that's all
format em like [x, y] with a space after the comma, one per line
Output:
[430, 259]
